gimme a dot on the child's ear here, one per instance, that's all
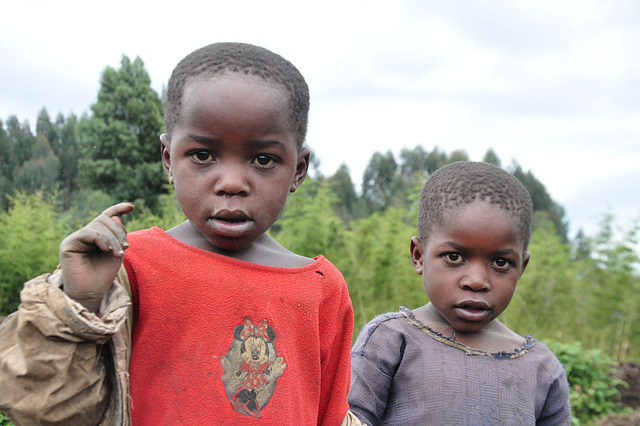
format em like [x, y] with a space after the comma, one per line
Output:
[301, 168]
[417, 254]
[525, 262]
[165, 149]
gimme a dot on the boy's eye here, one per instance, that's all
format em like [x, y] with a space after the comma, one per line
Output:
[502, 263]
[264, 160]
[453, 257]
[202, 156]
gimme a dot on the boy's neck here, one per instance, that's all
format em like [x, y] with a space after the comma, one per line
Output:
[263, 251]
[494, 337]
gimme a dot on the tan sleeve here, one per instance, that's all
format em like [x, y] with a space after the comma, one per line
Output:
[351, 420]
[52, 369]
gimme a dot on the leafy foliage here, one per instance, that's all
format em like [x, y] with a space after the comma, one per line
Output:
[593, 381]
[30, 236]
[56, 180]
[4, 420]
[120, 142]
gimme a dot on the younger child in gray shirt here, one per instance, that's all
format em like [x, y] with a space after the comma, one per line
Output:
[452, 361]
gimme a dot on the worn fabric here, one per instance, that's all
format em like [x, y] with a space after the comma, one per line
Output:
[60, 364]
[404, 373]
[253, 344]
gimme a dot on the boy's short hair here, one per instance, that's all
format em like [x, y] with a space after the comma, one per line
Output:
[219, 58]
[464, 182]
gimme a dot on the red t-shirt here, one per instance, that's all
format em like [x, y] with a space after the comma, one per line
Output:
[217, 340]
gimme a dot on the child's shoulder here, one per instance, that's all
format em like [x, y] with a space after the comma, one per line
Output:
[384, 328]
[383, 319]
[153, 233]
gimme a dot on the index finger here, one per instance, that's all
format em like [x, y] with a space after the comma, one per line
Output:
[118, 210]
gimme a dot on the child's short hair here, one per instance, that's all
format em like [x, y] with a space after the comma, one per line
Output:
[464, 182]
[218, 58]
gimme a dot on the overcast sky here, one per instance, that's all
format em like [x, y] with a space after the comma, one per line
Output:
[554, 85]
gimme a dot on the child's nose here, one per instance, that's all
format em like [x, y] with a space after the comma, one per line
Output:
[476, 278]
[231, 181]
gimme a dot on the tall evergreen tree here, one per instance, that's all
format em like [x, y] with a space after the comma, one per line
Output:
[347, 200]
[20, 142]
[458, 155]
[68, 153]
[436, 159]
[40, 172]
[544, 207]
[5, 171]
[413, 162]
[492, 158]
[48, 130]
[378, 179]
[120, 141]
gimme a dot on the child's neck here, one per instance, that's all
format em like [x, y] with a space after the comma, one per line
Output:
[263, 251]
[494, 337]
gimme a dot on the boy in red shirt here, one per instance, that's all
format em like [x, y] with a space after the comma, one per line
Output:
[225, 325]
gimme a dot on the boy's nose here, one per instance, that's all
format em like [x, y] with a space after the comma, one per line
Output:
[231, 181]
[476, 278]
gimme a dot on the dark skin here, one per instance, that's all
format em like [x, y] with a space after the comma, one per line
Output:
[264, 251]
[91, 257]
[470, 264]
[233, 159]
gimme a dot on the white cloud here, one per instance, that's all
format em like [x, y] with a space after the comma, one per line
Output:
[552, 84]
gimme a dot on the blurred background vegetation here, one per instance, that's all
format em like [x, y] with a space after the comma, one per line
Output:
[580, 294]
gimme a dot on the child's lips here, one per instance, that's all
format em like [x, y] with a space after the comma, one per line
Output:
[231, 224]
[472, 311]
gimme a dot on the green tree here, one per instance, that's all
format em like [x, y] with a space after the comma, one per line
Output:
[46, 129]
[547, 288]
[436, 159]
[169, 214]
[612, 277]
[347, 205]
[380, 274]
[492, 158]
[120, 141]
[309, 226]
[20, 142]
[30, 235]
[458, 155]
[413, 162]
[68, 153]
[378, 179]
[543, 205]
[6, 172]
[40, 172]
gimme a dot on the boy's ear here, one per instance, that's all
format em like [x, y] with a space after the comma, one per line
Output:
[525, 262]
[417, 254]
[301, 169]
[165, 149]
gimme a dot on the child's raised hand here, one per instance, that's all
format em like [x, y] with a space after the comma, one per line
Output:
[91, 257]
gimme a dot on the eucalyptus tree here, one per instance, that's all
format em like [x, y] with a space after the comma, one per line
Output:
[119, 141]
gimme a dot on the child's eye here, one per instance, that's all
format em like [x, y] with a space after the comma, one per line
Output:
[502, 263]
[452, 257]
[264, 160]
[202, 156]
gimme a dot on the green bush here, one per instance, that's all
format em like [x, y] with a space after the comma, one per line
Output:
[4, 420]
[592, 379]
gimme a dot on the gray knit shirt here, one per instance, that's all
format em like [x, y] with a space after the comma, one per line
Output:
[405, 373]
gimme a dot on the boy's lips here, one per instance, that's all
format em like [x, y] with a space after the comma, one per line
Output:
[231, 223]
[472, 310]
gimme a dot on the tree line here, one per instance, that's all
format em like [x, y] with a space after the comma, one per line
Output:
[583, 289]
